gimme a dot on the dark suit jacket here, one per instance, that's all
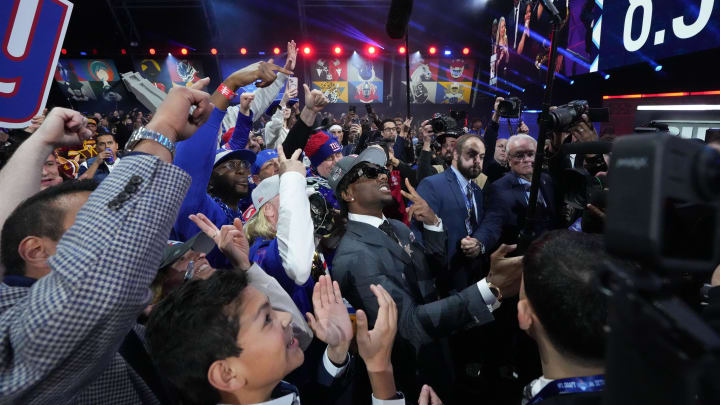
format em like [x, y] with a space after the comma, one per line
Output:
[506, 206]
[443, 195]
[366, 255]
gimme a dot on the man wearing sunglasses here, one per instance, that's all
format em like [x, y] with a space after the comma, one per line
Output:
[375, 250]
[508, 196]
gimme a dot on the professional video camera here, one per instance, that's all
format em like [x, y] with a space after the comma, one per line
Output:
[564, 116]
[663, 212]
[442, 123]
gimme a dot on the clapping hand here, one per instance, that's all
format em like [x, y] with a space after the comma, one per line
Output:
[331, 322]
[375, 346]
[420, 208]
[291, 55]
[230, 239]
[428, 396]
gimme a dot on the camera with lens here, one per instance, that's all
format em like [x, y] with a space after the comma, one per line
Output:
[442, 123]
[564, 116]
[510, 108]
[664, 202]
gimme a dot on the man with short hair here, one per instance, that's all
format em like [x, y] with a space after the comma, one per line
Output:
[375, 250]
[565, 312]
[70, 338]
[390, 129]
[507, 198]
[100, 166]
[458, 201]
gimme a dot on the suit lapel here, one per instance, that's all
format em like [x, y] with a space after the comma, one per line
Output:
[374, 236]
[455, 188]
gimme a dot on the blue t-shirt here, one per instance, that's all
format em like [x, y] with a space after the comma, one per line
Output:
[266, 254]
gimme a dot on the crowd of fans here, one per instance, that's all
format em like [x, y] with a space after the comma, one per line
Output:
[241, 255]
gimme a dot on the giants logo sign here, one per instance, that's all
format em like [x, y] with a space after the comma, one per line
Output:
[30, 49]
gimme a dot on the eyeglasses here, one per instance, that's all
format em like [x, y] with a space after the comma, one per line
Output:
[236, 165]
[523, 154]
[391, 129]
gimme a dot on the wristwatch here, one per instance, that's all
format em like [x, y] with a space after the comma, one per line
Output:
[495, 291]
[144, 133]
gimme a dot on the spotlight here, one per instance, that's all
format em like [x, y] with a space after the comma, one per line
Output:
[572, 82]
[658, 68]
[123, 51]
[152, 51]
[243, 51]
[307, 50]
[276, 50]
[261, 53]
[183, 51]
[544, 86]
[447, 52]
[466, 51]
[402, 50]
[371, 50]
[337, 50]
[83, 53]
[432, 50]
[64, 51]
[607, 76]
[213, 51]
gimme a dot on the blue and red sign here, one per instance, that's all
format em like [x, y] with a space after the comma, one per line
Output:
[30, 49]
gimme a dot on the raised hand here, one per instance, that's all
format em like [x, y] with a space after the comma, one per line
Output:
[230, 239]
[375, 346]
[291, 55]
[314, 100]
[496, 114]
[63, 127]
[331, 322]
[505, 272]
[290, 165]
[420, 208]
[263, 71]
[583, 130]
[171, 118]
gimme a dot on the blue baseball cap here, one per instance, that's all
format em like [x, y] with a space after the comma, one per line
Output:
[263, 157]
[223, 155]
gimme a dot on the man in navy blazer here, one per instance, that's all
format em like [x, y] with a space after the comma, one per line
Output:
[507, 198]
[458, 200]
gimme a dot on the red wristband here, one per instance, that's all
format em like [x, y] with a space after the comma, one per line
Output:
[225, 91]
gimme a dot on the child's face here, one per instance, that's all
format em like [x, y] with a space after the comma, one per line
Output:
[269, 350]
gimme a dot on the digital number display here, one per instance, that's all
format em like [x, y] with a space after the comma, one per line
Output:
[637, 31]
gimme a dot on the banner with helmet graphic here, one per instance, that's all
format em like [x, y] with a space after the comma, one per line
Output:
[166, 73]
[351, 79]
[33, 36]
[440, 80]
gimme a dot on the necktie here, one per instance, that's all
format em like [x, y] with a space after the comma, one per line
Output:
[469, 201]
[540, 199]
[388, 229]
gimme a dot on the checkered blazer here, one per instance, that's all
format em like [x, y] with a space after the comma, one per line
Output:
[59, 338]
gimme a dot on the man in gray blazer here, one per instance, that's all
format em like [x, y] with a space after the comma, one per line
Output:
[375, 250]
[62, 339]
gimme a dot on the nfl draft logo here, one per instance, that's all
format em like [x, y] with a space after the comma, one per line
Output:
[30, 49]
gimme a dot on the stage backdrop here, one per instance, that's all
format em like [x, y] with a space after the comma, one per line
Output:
[165, 73]
[90, 85]
[230, 65]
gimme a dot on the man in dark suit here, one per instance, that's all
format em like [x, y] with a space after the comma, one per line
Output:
[375, 250]
[566, 313]
[507, 198]
[458, 201]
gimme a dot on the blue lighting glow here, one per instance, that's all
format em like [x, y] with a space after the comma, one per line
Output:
[607, 76]
[544, 86]
[261, 53]
[658, 68]
[83, 53]
[447, 52]
[572, 82]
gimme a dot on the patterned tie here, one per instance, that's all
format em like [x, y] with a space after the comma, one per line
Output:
[388, 229]
[540, 199]
[469, 199]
